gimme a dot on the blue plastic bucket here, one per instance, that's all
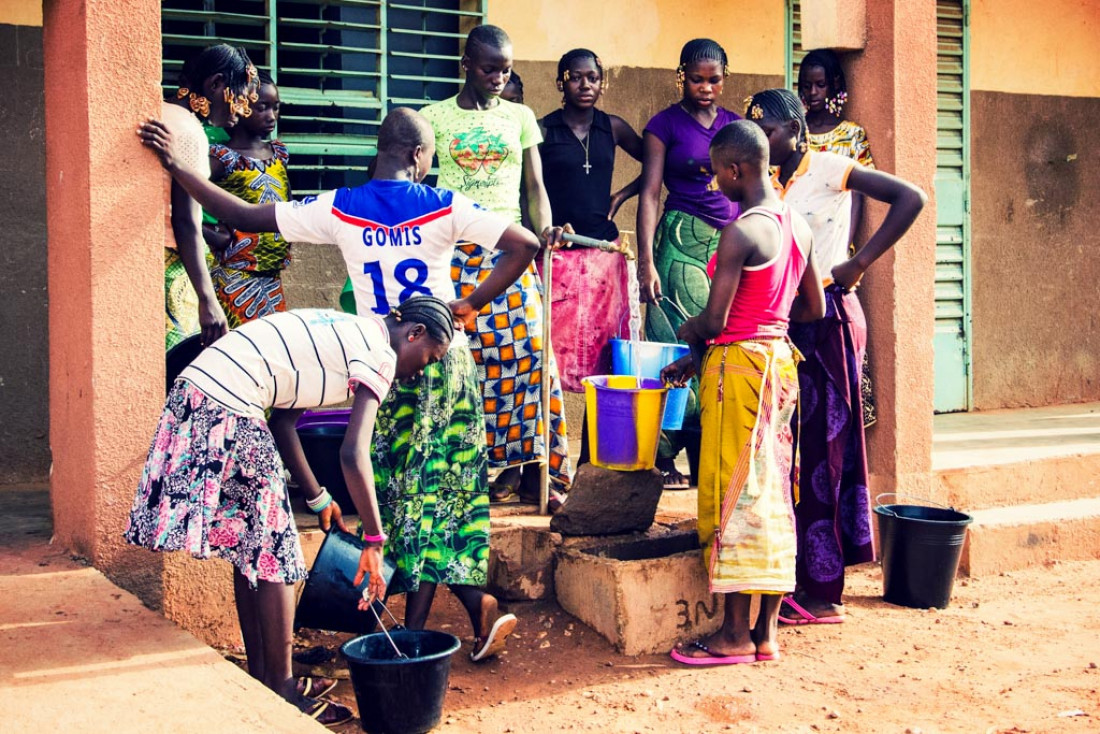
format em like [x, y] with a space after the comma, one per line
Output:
[329, 600]
[624, 420]
[647, 359]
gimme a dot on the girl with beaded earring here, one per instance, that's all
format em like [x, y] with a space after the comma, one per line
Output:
[833, 515]
[673, 252]
[824, 93]
[578, 158]
[217, 86]
[247, 268]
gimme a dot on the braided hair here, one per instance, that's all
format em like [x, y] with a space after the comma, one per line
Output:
[485, 36]
[702, 49]
[232, 62]
[430, 311]
[834, 74]
[778, 104]
[578, 53]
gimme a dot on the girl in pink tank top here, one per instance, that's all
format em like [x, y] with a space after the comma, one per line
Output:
[762, 304]
[761, 277]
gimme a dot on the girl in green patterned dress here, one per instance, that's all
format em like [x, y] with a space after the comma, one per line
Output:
[673, 254]
[247, 272]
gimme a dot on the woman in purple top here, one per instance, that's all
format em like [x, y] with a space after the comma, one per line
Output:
[673, 255]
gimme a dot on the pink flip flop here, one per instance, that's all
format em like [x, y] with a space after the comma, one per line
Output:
[763, 657]
[805, 616]
[711, 658]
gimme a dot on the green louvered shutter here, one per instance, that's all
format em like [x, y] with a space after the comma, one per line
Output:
[339, 64]
[795, 52]
[952, 334]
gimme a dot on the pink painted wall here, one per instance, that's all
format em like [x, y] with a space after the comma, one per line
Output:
[105, 237]
[107, 204]
[896, 79]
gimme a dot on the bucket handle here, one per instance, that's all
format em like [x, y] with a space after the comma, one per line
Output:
[382, 625]
[878, 502]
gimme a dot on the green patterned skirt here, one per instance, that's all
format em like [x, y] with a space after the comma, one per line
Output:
[682, 247]
[181, 305]
[430, 471]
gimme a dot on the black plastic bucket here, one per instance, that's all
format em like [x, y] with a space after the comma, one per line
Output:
[921, 547]
[322, 435]
[329, 600]
[400, 695]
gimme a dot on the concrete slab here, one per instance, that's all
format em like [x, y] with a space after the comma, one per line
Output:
[978, 439]
[1010, 538]
[79, 654]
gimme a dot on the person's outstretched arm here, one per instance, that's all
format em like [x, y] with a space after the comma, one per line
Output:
[518, 247]
[283, 425]
[538, 201]
[653, 171]
[235, 212]
[906, 202]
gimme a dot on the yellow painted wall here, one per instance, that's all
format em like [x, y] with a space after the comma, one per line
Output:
[645, 33]
[1029, 47]
[21, 12]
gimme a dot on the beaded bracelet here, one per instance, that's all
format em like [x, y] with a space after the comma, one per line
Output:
[320, 502]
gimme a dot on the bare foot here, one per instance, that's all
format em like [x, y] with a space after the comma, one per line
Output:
[716, 645]
[817, 607]
[504, 488]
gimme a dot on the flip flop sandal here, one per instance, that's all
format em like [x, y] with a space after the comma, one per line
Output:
[338, 713]
[711, 658]
[497, 638]
[762, 657]
[804, 615]
[310, 688]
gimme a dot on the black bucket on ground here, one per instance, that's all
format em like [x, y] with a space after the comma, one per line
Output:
[329, 600]
[921, 547]
[400, 695]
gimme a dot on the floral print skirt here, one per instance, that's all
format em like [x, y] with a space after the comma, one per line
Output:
[213, 485]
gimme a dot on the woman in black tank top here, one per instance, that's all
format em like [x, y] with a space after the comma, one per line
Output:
[578, 156]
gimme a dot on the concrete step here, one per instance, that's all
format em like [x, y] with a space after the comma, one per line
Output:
[1024, 482]
[1010, 538]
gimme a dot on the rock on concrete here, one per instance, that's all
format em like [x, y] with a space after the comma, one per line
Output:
[606, 502]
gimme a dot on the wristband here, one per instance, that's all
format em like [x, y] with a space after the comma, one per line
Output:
[380, 538]
[320, 502]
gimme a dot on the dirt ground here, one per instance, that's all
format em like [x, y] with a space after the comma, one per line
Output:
[1012, 653]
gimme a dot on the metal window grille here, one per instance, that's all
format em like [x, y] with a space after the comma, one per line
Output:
[340, 66]
[795, 52]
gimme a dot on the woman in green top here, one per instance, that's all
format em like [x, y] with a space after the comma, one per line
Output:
[488, 150]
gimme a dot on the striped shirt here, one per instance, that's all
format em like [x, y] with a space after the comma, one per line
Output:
[303, 358]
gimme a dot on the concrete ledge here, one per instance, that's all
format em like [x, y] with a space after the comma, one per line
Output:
[1011, 538]
[77, 653]
[1019, 483]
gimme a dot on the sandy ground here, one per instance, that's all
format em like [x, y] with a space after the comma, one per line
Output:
[1012, 653]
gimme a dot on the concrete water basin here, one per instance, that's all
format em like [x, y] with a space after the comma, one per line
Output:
[642, 594]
